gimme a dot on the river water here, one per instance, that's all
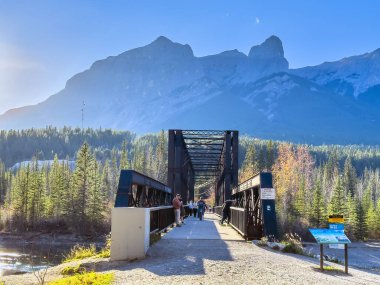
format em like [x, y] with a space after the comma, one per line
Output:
[18, 259]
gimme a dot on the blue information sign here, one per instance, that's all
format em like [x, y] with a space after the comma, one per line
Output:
[336, 227]
[328, 236]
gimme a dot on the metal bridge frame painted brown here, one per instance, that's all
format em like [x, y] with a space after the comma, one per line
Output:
[203, 156]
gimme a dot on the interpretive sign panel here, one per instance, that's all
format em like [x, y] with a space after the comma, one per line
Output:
[328, 236]
[268, 194]
[339, 227]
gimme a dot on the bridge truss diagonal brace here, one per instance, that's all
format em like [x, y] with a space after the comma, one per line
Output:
[199, 156]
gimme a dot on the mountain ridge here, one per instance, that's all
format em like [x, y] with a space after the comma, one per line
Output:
[153, 87]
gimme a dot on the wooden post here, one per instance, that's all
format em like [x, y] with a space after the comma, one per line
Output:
[321, 256]
[345, 258]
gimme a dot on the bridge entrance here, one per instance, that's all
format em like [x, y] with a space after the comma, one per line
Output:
[203, 159]
[196, 159]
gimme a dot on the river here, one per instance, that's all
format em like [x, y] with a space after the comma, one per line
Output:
[22, 258]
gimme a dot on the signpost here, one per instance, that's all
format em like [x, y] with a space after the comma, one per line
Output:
[334, 235]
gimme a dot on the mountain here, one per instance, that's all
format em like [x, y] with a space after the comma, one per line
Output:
[163, 85]
[350, 76]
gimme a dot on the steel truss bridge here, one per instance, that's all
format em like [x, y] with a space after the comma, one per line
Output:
[203, 157]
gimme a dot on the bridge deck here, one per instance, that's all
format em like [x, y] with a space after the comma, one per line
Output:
[208, 229]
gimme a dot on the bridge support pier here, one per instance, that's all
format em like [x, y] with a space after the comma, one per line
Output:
[130, 233]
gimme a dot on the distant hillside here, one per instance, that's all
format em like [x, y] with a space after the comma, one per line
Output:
[163, 85]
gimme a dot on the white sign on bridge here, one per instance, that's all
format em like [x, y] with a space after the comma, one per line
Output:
[267, 194]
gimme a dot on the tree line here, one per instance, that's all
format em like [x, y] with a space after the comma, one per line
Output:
[311, 181]
[56, 196]
[314, 182]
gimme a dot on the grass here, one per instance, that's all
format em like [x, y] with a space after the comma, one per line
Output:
[91, 278]
[72, 270]
[331, 270]
[106, 251]
[79, 252]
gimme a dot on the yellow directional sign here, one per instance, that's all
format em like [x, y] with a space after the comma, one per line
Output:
[336, 219]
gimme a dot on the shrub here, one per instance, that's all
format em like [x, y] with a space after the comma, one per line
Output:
[292, 244]
[72, 270]
[80, 252]
[263, 241]
[106, 251]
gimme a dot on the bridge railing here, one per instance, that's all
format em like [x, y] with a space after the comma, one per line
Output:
[239, 220]
[218, 210]
[161, 218]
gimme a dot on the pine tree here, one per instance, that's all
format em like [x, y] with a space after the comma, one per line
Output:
[82, 183]
[124, 159]
[337, 203]
[270, 155]
[114, 173]
[350, 216]
[95, 201]
[318, 207]
[161, 158]
[349, 178]
[249, 167]
[372, 222]
[360, 230]
[19, 196]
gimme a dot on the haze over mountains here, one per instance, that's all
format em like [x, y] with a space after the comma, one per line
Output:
[163, 85]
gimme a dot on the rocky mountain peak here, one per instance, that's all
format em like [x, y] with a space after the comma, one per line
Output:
[270, 48]
[163, 45]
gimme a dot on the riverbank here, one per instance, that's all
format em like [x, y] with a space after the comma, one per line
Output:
[27, 252]
[48, 238]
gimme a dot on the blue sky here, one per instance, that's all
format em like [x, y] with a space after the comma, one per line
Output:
[44, 43]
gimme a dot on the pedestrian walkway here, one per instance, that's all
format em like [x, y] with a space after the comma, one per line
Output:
[208, 229]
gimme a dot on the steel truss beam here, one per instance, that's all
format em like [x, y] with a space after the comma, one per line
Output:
[138, 190]
[196, 156]
[261, 212]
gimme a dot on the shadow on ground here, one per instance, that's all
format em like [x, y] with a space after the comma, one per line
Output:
[184, 256]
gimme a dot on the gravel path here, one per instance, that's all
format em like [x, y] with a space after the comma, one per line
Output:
[229, 260]
[215, 259]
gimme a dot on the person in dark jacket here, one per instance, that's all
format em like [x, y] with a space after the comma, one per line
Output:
[226, 211]
[201, 208]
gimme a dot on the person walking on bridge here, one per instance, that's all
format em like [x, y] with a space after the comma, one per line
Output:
[195, 209]
[177, 209]
[226, 211]
[201, 208]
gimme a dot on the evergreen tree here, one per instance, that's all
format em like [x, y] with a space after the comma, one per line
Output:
[350, 217]
[349, 178]
[82, 183]
[124, 159]
[114, 173]
[360, 230]
[270, 155]
[337, 203]
[318, 217]
[249, 167]
[95, 203]
[372, 222]
[161, 168]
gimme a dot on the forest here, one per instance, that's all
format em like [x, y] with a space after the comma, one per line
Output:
[311, 182]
